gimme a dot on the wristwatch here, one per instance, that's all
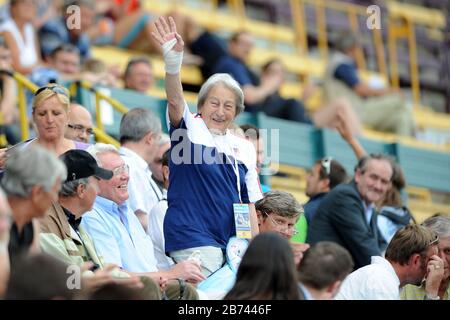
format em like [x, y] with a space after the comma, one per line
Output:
[428, 297]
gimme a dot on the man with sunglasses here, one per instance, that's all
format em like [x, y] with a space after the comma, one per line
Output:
[323, 176]
[346, 215]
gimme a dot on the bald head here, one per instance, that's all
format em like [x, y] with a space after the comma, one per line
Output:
[80, 124]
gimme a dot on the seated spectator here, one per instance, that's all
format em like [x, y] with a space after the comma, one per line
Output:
[118, 234]
[156, 166]
[393, 213]
[31, 182]
[96, 72]
[39, 277]
[56, 32]
[140, 132]
[138, 75]
[382, 109]
[63, 237]
[436, 285]
[346, 215]
[20, 36]
[322, 270]
[8, 96]
[5, 226]
[278, 211]
[211, 181]
[80, 124]
[156, 220]
[411, 252]
[326, 174]
[267, 271]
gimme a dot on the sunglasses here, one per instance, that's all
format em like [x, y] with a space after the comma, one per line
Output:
[56, 89]
[326, 164]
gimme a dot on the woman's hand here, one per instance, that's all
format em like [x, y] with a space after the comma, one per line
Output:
[166, 31]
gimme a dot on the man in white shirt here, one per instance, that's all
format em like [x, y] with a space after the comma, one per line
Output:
[411, 252]
[140, 132]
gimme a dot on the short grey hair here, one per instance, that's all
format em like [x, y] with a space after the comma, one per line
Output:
[29, 167]
[138, 122]
[228, 82]
[440, 224]
[99, 148]
[281, 203]
[164, 139]
[69, 188]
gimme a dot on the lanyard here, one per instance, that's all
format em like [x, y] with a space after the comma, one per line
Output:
[235, 166]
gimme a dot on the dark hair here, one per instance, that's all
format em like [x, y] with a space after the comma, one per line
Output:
[393, 196]
[410, 240]
[337, 175]
[235, 36]
[114, 291]
[134, 61]
[323, 264]
[165, 158]
[250, 131]
[363, 163]
[64, 47]
[269, 63]
[267, 271]
[38, 277]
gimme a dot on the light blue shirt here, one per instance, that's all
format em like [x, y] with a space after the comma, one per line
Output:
[119, 237]
[306, 293]
[369, 212]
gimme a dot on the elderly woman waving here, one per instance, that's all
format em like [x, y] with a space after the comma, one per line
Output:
[213, 178]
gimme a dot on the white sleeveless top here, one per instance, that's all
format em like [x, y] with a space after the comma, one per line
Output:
[27, 47]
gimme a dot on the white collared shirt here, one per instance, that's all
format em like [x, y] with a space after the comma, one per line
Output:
[143, 192]
[376, 281]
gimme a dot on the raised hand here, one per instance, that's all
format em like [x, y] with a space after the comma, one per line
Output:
[166, 31]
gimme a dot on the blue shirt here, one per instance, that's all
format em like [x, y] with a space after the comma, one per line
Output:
[235, 68]
[118, 236]
[55, 32]
[203, 185]
[311, 206]
[348, 73]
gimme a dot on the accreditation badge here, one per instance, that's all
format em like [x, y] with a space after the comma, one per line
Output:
[242, 220]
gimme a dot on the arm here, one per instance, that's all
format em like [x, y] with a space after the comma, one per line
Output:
[15, 54]
[173, 56]
[363, 90]
[269, 85]
[346, 134]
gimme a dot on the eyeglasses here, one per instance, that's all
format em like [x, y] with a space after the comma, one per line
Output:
[435, 241]
[326, 164]
[281, 227]
[81, 129]
[55, 89]
[122, 169]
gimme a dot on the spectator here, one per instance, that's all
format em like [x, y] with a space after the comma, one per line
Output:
[382, 109]
[39, 277]
[436, 285]
[346, 215]
[411, 252]
[322, 270]
[326, 174]
[118, 234]
[140, 132]
[61, 233]
[80, 124]
[156, 222]
[393, 213]
[56, 31]
[156, 165]
[8, 101]
[31, 182]
[20, 36]
[204, 185]
[5, 226]
[138, 75]
[278, 211]
[266, 272]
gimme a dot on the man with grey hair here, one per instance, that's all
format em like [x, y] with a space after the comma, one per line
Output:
[279, 211]
[436, 285]
[140, 132]
[156, 165]
[119, 236]
[31, 182]
[381, 108]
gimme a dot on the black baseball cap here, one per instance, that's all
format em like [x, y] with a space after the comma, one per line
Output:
[80, 164]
